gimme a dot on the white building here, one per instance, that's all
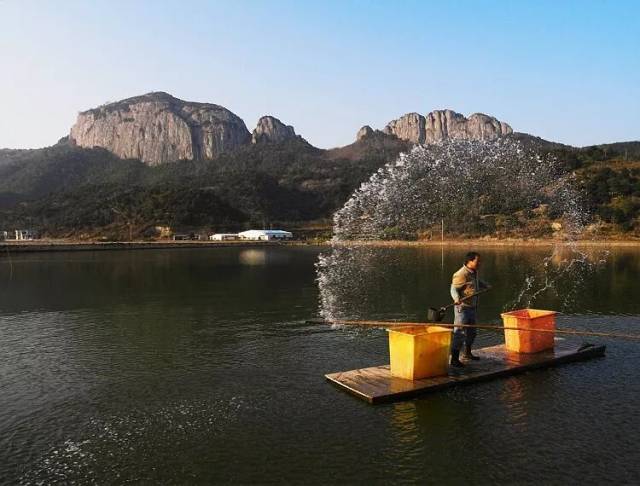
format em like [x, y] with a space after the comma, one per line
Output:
[4, 235]
[265, 235]
[23, 235]
[223, 237]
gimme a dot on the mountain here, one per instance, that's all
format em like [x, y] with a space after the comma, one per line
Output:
[157, 160]
[446, 124]
[158, 128]
[68, 190]
[270, 129]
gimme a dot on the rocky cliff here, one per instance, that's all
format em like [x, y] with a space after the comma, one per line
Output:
[364, 132]
[445, 124]
[158, 128]
[409, 127]
[270, 129]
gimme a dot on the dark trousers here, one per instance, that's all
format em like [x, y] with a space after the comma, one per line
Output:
[466, 335]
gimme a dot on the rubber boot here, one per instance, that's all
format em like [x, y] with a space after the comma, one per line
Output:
[467, 354]
[455, 359]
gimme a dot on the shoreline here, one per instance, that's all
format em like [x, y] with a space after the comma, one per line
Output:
[480, 242]
[62, 245]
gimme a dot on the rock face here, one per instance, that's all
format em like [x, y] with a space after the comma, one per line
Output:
[364, 132]
[409, 127]
[158, 128]
[270, 129]
[445, 124]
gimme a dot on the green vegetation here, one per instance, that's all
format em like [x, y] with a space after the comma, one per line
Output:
[610, 177]
[64, 190]
[615, 195]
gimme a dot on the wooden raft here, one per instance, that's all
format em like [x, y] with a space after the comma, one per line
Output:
[376, 385]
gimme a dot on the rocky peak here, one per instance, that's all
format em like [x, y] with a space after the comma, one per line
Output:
[409, 127]
[364, 132]
[270, 129]
[446, 124]
[158, 128]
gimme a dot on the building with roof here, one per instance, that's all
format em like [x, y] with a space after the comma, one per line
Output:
[224, 237]
[25, 235]
[265, 235]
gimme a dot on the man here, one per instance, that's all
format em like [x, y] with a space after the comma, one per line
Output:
[465, 282]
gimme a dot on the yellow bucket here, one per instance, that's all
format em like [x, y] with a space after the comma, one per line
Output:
[419, 352]
[524, 341]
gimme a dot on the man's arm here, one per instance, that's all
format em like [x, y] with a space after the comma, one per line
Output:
[458, 283]
[455, 295]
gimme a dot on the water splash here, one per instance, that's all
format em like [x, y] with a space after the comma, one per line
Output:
[466, 183]
[474, 188]
[564, 273]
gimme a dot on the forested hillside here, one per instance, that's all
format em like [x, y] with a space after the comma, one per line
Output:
[65, 190]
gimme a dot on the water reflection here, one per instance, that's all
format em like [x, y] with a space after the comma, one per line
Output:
[514, 399]
[187, 366]
[253, 257]
[404, 424]
[378, 282]
[262, 257]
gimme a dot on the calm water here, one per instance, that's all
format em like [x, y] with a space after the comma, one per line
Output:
[196, 366]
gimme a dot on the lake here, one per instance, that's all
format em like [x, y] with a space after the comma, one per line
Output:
[197, 366]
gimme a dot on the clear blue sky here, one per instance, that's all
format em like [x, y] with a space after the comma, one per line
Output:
[568, 71]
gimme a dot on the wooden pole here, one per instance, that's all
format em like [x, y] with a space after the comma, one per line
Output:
[573, 332]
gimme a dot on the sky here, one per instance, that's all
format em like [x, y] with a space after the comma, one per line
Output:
[567, 71]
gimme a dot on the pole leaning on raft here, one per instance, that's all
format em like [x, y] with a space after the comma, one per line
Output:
[386, 324]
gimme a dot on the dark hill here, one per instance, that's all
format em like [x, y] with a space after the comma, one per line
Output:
[66, 189]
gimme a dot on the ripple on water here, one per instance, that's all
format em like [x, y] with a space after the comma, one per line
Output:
[112, 448]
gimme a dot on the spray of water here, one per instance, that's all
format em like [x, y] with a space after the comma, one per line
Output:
[474, 188]
[461, 181]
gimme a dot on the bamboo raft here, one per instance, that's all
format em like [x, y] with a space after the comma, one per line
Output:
[376, 385]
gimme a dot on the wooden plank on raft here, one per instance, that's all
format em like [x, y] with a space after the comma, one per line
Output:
[376, 385]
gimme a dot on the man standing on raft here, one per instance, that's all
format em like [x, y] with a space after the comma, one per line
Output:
[465, 282]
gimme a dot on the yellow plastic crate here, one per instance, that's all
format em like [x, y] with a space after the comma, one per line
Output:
[419, 352]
